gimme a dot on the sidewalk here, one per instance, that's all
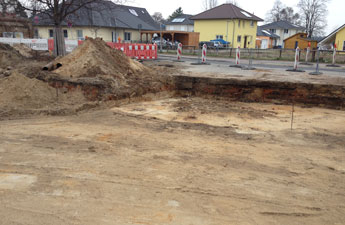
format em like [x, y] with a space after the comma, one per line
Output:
[255, 62]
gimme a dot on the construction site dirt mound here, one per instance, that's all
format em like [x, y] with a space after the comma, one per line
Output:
[24, 50]
[9, 56]
[94, 57]
[22, 95]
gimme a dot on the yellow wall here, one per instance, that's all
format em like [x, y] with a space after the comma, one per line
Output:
[208, 30]
[105, 33]
[339, 40]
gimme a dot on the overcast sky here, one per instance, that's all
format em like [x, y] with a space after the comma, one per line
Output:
[336, 14]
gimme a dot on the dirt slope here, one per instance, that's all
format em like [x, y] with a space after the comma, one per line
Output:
[9, 56]
[21, 95]
[94, 57]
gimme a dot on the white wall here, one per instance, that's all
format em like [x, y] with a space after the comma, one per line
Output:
[283, 36]
[105, 33]
[186, 28]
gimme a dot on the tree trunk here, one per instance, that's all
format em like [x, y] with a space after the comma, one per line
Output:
[59, 42]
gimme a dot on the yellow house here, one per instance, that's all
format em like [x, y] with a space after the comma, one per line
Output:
[336, 37]
[227, 22]
[102, 19]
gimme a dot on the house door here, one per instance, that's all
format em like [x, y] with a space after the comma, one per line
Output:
[114, 36]
[245, 41]
[264, 44]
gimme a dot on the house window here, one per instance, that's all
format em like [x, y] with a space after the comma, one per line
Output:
[36, 34]
[171, 27]
[252, 23]
[344, 46]
[127, 36]
[8, 34]
[273, 31]
[80, 34]
[286, 31]
[183, 28]
[65, 33]
[51, 33]
[239, 23]
[219, 36]
[239, 38]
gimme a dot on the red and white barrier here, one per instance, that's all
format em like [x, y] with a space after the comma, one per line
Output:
[139, 51]
[238, 55]
[204, 52]
[296, 59]
[179, 51]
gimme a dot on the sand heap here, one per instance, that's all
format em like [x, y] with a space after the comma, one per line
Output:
[9, 56]
[19, 93]
[24, 50]
[94, 57]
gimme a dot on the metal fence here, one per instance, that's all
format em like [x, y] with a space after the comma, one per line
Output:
[262, 54]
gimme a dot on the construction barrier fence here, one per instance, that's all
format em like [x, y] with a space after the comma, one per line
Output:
[135, 51]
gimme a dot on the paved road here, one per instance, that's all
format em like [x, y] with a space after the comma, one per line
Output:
[260, 63]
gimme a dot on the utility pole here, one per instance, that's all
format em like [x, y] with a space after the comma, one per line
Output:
[161, 42]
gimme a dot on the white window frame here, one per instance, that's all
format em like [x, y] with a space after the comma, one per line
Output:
[239, 39]
[128, 36]
[82, 35]
[51, 31]
[63, 31]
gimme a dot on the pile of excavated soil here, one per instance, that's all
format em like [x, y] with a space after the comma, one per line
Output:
[24, 50]
[9, 56]
[95, 62]
[94, 57]
[22, 95]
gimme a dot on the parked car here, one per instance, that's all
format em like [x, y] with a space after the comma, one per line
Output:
[217, 44]
[209, 44]
[224, 43]
[165, 43]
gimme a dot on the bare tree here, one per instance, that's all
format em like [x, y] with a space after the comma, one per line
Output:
[314, 13]
[288, 14]
[12, 7]
[274, 14]
[57, 11]
[281, 12]
[209, 4]
[158, 17]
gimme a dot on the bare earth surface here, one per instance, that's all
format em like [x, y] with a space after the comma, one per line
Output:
[180, 161]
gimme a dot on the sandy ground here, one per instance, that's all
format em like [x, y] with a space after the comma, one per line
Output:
[182, 161]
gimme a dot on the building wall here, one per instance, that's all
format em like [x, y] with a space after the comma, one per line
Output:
[230, 30]
[20, 27]
[302, 43]
[340, 39]
[283, 35]
[186, 28]
[259, 40]
[105, 33]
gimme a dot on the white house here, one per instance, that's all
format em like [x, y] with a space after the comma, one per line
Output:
[283, 29]
[181, 23]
